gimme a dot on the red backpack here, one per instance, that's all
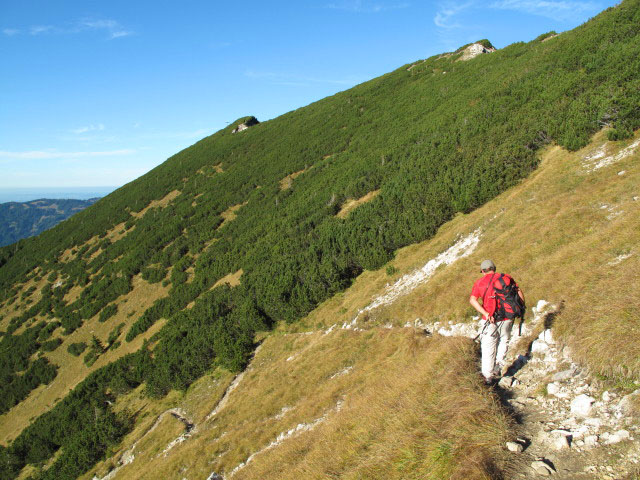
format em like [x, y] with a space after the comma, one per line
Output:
[509, 305]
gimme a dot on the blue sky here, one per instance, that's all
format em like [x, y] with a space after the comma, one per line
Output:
[98, 93]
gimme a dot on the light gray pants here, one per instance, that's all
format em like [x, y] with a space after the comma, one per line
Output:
[494, 343]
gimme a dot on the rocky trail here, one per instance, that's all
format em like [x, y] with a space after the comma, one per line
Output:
[568, 427]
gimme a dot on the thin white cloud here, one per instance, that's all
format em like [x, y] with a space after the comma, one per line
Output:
[364, 6]
[52, 154]
[40, 29]
[113, 28]
[300, 80]
[557, 10]
[447, 11]
[120, 33]
[88, 128]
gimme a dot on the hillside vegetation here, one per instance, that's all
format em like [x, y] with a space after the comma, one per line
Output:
[412, 406]
[436, 139]
[26, 219]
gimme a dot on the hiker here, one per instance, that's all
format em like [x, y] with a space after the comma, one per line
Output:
[502, 302]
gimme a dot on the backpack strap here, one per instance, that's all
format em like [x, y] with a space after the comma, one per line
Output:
[501, 280]
[487, 289]
[500, 313]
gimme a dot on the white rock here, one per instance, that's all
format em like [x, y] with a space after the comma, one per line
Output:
[547, 337]
[606, 397]
[515, 447]
[540, 306]
[553, 388]
[581, 431]
[617, 437]
[561, 442]
[626, 404]
[622, 172]
[582, 405]
[564, 375]
[506, 382]
[594, 422]
[591, 440]
[539, 346]
[542, 468]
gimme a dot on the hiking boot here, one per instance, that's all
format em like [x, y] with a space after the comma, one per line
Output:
[490, 382]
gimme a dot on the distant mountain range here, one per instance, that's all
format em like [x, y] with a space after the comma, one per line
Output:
[20, 220]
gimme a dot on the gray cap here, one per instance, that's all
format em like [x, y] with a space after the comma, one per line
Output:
[487, 265]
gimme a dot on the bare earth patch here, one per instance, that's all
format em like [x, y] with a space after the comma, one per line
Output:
[163, 202]
[351, 204]
[287, 181]
[232, 279]
[230, 213]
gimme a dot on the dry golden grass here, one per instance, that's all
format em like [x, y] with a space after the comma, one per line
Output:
[199, 399]
[287, 181]
[232, 279]
[352, 204]
[116, 233]
[163, 202]
[113, 234]
[73, 294]
[207, 169]
[73, 370]
[230, 213]
[426, 417]
[412, 406]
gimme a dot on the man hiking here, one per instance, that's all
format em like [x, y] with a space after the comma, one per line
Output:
[502, 301]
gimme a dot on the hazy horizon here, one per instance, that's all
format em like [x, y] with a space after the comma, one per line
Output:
[27, 194]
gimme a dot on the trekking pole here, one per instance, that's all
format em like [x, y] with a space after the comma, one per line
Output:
[524, 310]
[520, 325]
[482, 331]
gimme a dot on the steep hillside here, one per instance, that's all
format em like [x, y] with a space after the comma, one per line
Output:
[26, 219]
[175, 273]
[357, 390]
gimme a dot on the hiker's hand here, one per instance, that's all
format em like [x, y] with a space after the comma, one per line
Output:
[491, 319]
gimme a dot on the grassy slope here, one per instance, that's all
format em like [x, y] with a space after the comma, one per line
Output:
[408, 404]
[412, 405]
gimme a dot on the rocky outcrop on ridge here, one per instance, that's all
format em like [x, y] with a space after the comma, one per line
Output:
[246, 124]
[474, 50]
